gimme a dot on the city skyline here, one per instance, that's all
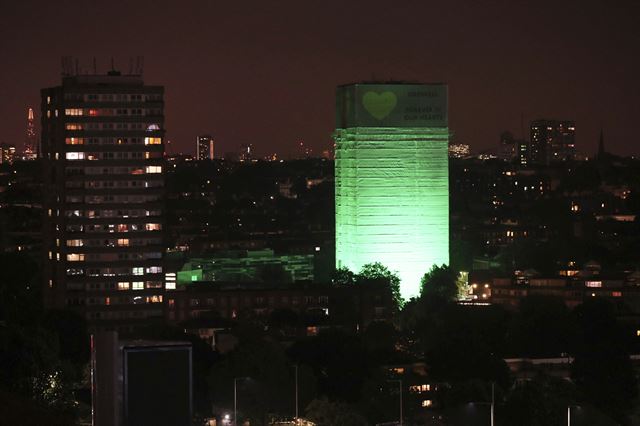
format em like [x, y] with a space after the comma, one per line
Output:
[266, 75]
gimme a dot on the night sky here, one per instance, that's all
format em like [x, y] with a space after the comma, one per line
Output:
[264, 72]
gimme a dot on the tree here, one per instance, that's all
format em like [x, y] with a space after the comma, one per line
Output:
[377, 271]
[440, 284]
[343, 276]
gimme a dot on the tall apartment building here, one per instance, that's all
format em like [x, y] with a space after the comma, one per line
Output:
[552, 140]
[205, 148]
[103, 145]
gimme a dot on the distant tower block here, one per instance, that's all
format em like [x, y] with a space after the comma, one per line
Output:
[392, 178]
[205, 147]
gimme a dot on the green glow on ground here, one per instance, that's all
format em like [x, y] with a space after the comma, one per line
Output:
[392, 200]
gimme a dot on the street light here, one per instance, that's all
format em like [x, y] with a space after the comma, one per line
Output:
[296, 370]
[569, 407]
[235, 399]
[399, 387]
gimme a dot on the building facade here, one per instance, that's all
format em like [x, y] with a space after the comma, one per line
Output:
[392, 179]
[552, 140]
[103, 148]
[205, 147]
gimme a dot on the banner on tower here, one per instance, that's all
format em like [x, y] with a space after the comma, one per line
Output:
[391, 105]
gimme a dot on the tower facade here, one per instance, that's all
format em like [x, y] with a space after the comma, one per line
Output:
[103, 148]
[392, 179]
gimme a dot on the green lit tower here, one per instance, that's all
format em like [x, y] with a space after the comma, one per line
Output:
[392, 178]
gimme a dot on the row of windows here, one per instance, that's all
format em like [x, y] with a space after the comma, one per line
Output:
[108, 112]
[92, 156]
[110, 97]
[110, 315]
[123, 170]
[123, 227]
[112, 257]
[104, 199]
[113, 242]
[108, 213]
[113, 141]
[114, 272]
[149, 127]
[91, 199]
[124, 300]
[258, 300]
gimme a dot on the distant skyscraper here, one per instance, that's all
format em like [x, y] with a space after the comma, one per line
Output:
[102, 142]
[205, 147]
[552, 140]
[392, 179]
[30, 150]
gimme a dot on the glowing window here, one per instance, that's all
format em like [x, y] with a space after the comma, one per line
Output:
[73, 126]
[153, 227]
[137, 285]
[137, 271]
[74, 243]
[73, 111]
[152, 141]
[123, 285]
[123, 242]
[75, 257]
[74, 141]
[74, 156]
[154, 169]
[616, 293]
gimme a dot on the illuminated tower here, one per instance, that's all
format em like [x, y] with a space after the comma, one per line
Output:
[392, 178]
[30, 151]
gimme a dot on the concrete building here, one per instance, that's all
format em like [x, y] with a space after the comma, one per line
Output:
[103, 148]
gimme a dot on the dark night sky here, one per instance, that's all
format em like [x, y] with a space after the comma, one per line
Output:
[264, 72]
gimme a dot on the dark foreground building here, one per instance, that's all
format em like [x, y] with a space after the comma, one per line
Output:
[103, 147]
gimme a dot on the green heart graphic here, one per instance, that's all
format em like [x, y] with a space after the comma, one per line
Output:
[379, 105]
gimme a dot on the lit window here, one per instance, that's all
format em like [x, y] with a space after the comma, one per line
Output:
[593, 284]
[74, 141]
[153, 227]
[123, 242]
[123, 285]
[152, 141]
[75, 257]
[616, 293]
[137, 271]
[73, 111]
[75, 156]
[74, 243]
[73, 126]
[154, 169]
[427, 403]
[138, 285]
